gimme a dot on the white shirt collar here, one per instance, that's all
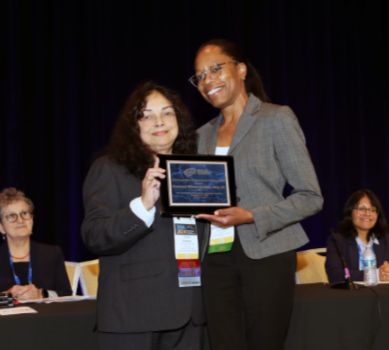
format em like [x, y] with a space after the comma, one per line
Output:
[373, 240]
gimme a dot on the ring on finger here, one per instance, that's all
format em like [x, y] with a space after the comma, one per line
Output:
[16, 295]
[150, 178]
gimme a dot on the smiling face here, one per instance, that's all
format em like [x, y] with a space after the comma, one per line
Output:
[158, 126]
[223, 91]
[20, 228]
[364, 222]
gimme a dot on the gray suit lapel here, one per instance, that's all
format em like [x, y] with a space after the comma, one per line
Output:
[246, 121]
[211, 137]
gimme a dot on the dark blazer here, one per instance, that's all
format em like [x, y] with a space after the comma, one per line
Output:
[269, 151]
[48, 268]
[349, 249]
[138, 282]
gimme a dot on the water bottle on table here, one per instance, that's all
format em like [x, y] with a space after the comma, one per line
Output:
[369, 267]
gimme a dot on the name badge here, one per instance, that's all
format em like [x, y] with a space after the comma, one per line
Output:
[186, 248]
[221, 239]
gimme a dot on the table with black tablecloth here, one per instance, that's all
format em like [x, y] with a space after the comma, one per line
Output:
[332, 319]
[322, 319]
[66, 325]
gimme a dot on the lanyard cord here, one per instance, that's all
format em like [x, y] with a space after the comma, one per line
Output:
[17, 279]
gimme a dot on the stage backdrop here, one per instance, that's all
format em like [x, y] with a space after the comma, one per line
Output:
[67, 68]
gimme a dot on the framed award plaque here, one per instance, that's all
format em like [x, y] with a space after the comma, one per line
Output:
[196, 184]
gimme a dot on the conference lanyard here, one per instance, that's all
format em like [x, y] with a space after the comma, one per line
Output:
[361, 256]
[17, 279]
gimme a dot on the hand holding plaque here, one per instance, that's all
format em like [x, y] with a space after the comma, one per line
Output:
[196, 184]
[151, 185]
[233, 216]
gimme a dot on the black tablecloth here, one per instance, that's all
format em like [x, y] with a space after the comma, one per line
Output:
[67, 326]
[325, 318]
[322, 319]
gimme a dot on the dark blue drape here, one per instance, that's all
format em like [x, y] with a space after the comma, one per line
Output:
[67, 68]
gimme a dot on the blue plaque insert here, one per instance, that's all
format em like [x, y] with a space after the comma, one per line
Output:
[196, 183]
[205, 183]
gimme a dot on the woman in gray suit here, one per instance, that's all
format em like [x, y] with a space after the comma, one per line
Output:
[248, 290]
[139, 302]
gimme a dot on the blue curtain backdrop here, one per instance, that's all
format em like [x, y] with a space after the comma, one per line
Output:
[67, 68]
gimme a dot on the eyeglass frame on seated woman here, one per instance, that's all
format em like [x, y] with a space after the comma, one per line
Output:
[16, 216]
[363, 210]
[214, 75]
[346, 226]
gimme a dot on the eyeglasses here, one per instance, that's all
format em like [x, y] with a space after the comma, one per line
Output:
[213, 72]
[364, 210]
[25, 215]
[150, 119]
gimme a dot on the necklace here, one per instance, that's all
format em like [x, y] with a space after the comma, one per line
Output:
[15, 257]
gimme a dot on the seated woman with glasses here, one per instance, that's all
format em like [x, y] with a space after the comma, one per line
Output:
[363, 223]
[28, 270]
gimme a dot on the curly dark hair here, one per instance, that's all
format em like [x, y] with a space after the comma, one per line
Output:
[253, 81]
[346, 226]
[126, 146]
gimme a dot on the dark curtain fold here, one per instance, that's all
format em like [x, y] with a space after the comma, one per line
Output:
[67, 68]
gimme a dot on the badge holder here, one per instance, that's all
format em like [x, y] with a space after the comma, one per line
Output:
[186, 247]
[221, 239]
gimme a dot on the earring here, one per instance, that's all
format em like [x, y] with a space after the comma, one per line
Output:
[3, 234]
[242, 78]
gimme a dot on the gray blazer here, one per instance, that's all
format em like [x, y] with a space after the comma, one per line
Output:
[269, 151]
[138, 282]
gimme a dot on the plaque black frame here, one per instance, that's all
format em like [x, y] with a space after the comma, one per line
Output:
[168, 210]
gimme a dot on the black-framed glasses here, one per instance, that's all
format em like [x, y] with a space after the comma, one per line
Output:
[25, 215]
[213, 72]
[364, 210]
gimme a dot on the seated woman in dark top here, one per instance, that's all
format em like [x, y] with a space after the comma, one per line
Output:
[28, 270]
[363, 223]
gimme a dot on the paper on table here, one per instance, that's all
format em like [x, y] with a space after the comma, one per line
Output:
[57, 299]
[17, 310]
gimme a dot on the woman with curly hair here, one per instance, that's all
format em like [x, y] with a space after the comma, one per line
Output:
[140, 305]
[28, 270]
[363, 223]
